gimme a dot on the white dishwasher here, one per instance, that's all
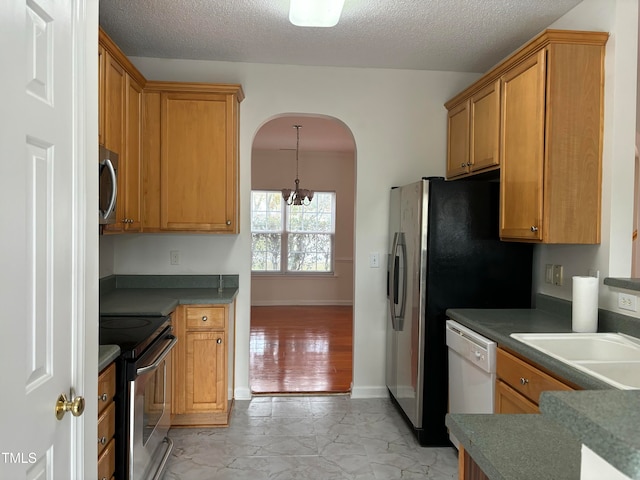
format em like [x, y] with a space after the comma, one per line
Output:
[472, 371]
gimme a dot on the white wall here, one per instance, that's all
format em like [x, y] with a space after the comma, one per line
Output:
[613, 256]
[399, 125]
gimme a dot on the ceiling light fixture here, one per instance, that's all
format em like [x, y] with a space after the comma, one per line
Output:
[315, 13]
[298, 196]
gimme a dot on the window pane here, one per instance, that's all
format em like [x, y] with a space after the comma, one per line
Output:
[309, 252]
[266, 211]
[319, 216]
[265, 252]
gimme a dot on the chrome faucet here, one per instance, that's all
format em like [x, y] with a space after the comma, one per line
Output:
[220, 284]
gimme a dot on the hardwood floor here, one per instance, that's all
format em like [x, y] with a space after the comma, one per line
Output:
[301, 349]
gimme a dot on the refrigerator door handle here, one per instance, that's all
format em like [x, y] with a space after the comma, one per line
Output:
[403, 246]
[392, 285]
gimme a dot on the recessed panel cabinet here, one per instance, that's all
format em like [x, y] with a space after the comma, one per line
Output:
[538, 117]
[203, 365]
[191, 165]
[120, 129]
[177, 145]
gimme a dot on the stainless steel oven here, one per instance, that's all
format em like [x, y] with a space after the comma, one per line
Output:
[143, 396]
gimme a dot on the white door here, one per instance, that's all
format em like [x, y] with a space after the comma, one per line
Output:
[46, 122]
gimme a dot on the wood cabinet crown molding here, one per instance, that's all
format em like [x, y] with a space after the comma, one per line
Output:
[195, 87]
[539, 42]
[105, 40]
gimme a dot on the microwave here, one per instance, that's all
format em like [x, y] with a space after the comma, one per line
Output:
[108, 185]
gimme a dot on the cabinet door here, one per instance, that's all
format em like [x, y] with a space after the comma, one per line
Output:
[198, 162]
[205, 388]
[132, 161]
[485, 128]
[510, 401]
[101, 88]
[458, 140]
[521, 170]
[114, 95]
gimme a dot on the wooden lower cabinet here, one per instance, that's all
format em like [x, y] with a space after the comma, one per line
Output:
[519, 384]
[203, 365]
[510, 401]
[468, 469]
[106, 423]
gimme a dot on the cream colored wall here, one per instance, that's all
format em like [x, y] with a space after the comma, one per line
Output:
[319, 171]
[398, 122]
[612, 258]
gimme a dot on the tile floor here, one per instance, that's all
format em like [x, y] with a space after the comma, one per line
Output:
[308, 438]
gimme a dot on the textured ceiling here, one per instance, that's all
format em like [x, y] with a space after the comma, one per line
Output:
[455, 35]
[450, 35]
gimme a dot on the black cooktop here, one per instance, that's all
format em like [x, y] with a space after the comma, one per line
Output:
[132, 334]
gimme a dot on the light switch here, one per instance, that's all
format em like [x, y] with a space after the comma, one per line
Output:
[374, 260]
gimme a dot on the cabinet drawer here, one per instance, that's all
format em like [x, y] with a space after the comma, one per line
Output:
[106, 426]
[525, 378]
[510, 401]
[106, 387]
[205, 318]
[107, 461]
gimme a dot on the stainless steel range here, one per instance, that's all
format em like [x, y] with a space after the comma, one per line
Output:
[143, 394]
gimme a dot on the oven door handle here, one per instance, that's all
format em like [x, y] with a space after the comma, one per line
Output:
[152, 366]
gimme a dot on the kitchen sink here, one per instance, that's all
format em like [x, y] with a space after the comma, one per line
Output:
[611, 357]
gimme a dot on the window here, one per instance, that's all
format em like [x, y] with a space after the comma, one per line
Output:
[303, 235]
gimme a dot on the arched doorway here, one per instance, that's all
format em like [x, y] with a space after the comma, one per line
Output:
[301, 336]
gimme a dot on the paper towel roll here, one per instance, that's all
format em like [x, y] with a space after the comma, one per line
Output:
[584, 310]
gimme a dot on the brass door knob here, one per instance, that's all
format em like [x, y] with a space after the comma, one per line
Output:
[75, 406]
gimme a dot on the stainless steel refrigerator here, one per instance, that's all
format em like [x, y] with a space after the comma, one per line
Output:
[444, 252]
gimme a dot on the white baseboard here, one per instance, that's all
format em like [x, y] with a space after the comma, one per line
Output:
[304, 303]
[369, 392]
[243, 393]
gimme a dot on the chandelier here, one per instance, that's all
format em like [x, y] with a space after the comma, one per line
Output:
[298, 196]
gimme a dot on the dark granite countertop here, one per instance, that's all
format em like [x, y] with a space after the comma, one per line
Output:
[106, 355]
[518, 447]
[158, 295]
[605, 421]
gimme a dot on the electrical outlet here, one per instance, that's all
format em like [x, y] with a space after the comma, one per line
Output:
[557, 274]
[174, 257]
[548, 273]
[628, 302]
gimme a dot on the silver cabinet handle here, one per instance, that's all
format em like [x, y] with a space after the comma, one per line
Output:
[104, 397]
[102, 440]
[534, 229]
[523, 381]
[204, 318]
[219, 341]
[463, 164]
[228, 222]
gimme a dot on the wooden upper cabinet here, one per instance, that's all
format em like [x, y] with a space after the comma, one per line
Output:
[523, 150]
[100, 95]
[131, 195]
[556, 136]
[458, 140]
[473, 133]
[197, 184]
[538, 117]
[114, 91]
[120, 129]
[485, 128]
